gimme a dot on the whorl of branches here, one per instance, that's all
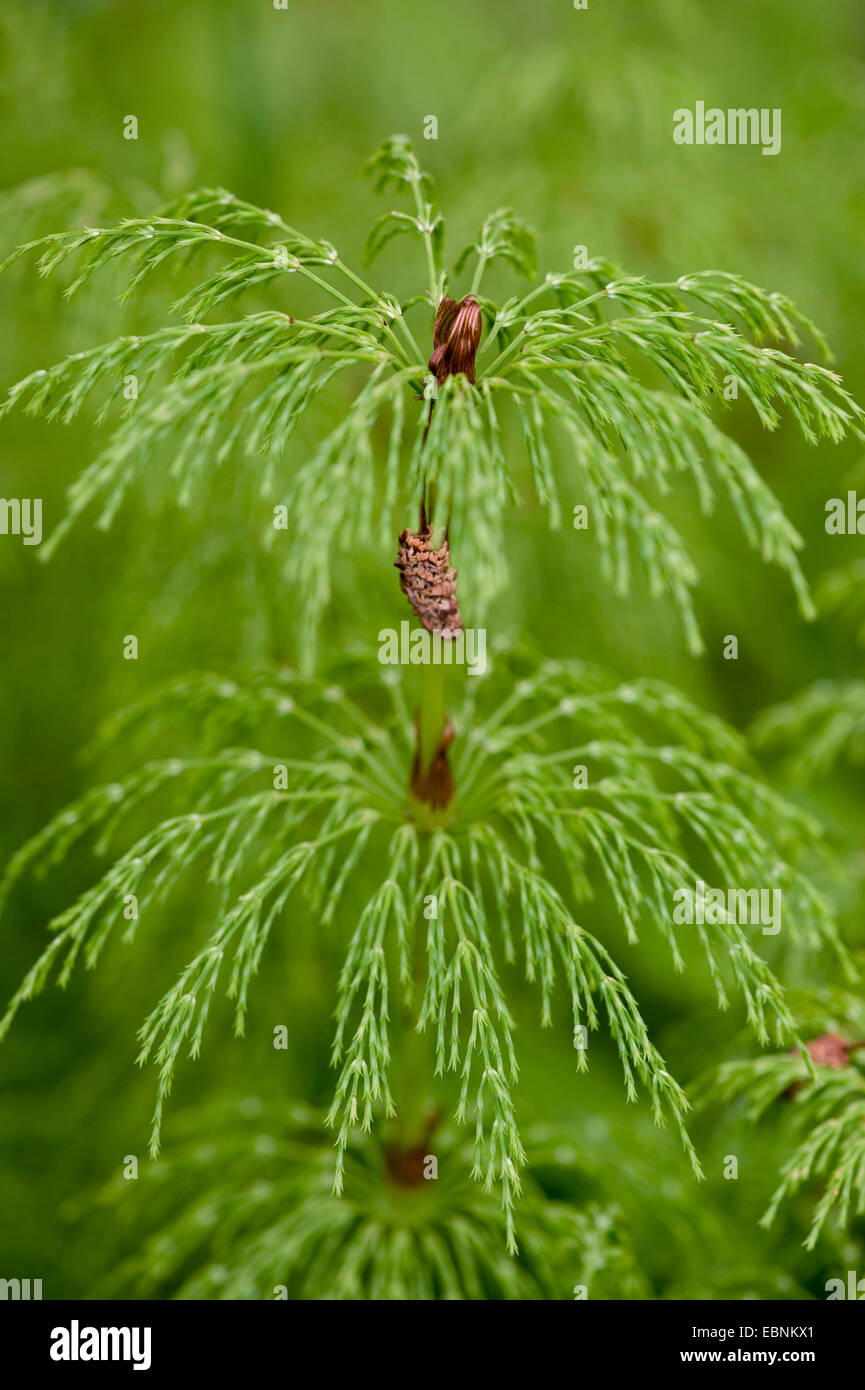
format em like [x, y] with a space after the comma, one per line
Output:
[654, 808]
[611, 378]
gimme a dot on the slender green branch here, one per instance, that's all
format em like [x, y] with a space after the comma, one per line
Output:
[423, 213]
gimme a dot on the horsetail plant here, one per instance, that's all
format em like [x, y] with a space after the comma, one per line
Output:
[450, 803]
[823, 1092]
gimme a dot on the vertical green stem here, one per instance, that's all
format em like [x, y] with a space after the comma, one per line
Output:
[479, 274]
[417, 1065]
[423, 212]
[432, 712]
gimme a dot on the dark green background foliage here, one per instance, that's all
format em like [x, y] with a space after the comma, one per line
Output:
[567, 117]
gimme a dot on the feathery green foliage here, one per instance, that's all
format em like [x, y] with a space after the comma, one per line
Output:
[826, 1110]
[613, 376]
[240, 1207]
[291, 794]
[266, 1224]
[282, 834]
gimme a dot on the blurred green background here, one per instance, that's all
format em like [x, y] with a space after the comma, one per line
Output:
[567, 116]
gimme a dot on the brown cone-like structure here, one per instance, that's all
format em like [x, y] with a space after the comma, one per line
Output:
[829, 1050]
[428, 581]
[456, 335]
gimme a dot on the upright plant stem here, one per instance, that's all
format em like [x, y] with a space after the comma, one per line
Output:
[479, 274]
[416, 1069]
[423, 212]
[431, 713]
